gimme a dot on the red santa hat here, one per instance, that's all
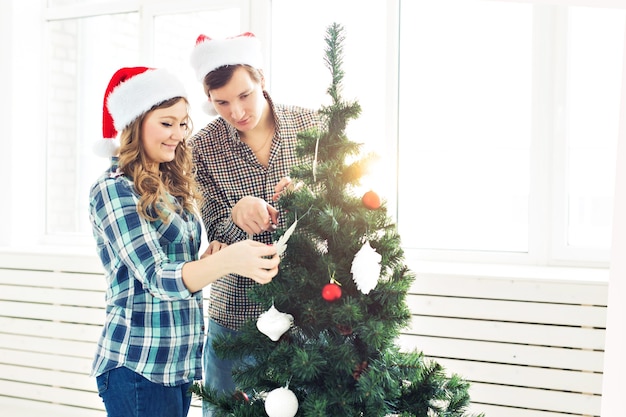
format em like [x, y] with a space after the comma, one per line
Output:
[132, 92]
[211, 54]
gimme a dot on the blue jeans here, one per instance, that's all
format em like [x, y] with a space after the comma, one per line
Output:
[125, 393]
[217, 372]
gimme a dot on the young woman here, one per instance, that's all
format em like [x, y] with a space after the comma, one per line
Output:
[143, 215]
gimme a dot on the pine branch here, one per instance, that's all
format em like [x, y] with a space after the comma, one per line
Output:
[334, 59]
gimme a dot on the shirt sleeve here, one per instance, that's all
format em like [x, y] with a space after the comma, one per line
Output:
[217, 216]
[216, 211]
[134, 240]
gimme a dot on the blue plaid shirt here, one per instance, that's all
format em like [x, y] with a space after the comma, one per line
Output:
[154, 325]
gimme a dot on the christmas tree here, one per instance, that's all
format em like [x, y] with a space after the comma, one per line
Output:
[326, 344]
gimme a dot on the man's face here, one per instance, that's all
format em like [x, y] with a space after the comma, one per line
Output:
[240, 102]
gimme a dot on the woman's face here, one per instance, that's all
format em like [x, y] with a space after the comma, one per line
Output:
[163, 130]
[240, 102]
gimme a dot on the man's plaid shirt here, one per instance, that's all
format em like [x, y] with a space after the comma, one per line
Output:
[228, 170]
[154, 325]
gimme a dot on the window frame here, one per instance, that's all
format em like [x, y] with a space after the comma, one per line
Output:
[545, 203]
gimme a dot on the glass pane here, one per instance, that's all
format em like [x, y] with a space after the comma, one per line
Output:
[77, 77]
[80, 65]
[593, 100]
[174, 38]
[299, 76]
[465, 125]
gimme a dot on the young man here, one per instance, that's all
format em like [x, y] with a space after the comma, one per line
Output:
[242, 161]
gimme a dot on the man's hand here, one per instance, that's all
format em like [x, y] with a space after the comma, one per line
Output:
[284, 185]
[254, 215]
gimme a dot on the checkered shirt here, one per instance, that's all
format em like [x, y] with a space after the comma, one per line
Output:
[228, 170]
[154, 325]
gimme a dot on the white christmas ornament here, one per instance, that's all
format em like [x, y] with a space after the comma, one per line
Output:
[281, 245]
[281, 402]
[273, 323]
[366, 268]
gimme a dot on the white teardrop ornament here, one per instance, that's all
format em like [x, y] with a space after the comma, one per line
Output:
[273, 323]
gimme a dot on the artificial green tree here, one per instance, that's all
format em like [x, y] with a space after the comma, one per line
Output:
[338, 302]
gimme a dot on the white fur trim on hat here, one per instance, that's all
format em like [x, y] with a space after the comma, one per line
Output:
[137, 95]
[210, 54]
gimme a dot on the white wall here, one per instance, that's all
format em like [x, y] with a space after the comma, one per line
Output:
[614, 360]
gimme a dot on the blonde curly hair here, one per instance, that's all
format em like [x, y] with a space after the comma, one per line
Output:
[175, 178]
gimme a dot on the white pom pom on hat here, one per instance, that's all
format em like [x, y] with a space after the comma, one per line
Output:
[211, 54]
[131, 92]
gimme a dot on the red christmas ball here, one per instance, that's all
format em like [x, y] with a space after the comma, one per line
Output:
[241, 396]
[371, 200]
[331, 292]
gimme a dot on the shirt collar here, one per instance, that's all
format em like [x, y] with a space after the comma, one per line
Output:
[115, 171]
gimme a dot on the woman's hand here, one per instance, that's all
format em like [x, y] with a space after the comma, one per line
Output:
[251, 259]
[254, 260]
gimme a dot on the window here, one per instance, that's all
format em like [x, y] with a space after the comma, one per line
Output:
[83, 53]
[507, 130]
[465, 133]
[77, 76]
[299, 76]
[591, 103]
[491, 100]
[496, 121]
